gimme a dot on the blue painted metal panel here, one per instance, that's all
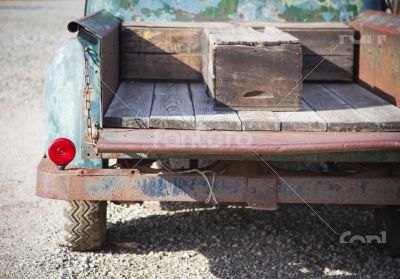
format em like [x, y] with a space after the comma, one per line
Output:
[63, 98]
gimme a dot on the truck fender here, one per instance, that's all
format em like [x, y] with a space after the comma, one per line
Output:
[63, 96]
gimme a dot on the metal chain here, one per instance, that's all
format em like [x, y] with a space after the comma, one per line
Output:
[91, 126]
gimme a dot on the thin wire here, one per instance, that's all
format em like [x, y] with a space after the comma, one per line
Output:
[137, 118]
[211, 194]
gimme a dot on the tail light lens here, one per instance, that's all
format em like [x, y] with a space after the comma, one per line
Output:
[62, 151]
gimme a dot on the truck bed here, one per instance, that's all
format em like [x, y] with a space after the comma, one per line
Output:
[326, 107]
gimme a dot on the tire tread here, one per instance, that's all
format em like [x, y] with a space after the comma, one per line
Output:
[85, 225]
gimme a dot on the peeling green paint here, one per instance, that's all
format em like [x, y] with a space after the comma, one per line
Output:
[238, 10]
[62, 101]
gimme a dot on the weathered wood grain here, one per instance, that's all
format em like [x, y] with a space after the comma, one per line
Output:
[160, 40]
[339, 107]
[259, 121]
[184, 38]
[109, 70]
[131, 106]
[241, 77]
[304, 120]
[335, 42]
[308, 26]
[339, 116]
[189, 67]
[172, 107]
[176, 24]
[206, 117]
[332, 68]
[368, 105]
[245, 69]
[161, 66]
[338, 38]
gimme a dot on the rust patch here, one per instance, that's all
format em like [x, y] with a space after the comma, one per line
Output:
[378, 50]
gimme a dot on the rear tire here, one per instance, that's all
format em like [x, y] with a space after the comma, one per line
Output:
[85, 225]
[389, 220]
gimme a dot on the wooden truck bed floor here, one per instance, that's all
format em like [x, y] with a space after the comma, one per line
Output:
[331, 107]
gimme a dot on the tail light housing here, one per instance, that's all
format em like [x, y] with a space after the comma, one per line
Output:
[61, 152]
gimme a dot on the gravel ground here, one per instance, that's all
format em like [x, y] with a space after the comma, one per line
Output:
[149, 240]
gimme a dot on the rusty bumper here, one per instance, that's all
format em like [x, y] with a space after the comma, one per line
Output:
[262, 192]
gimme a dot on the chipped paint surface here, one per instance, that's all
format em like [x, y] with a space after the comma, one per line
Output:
[63, 98]
[379, 60]
[117, 185]
[243, 10]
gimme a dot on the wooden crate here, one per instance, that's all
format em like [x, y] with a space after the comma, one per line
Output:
[250, 70]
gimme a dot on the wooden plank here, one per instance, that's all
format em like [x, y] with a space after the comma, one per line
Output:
[161, 66]
[368, 105]
[306, 120]
[335, 42]
[310, 26]
[160, 40]
[109, 70]
[339, 116]
[206, 117]
[259, 121]
[131, 107]
[186, 38]
[310, 34]
[236, 62]
[333, 68]
[172, 107]
[189, 67]
[337, 46]
[177, 24]
[182, 39]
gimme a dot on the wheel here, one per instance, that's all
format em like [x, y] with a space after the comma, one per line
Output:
[389, 220]
[85, 225]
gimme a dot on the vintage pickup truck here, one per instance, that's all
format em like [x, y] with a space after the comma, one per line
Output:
[129, 118]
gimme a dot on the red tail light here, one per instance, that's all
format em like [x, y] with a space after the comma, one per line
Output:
[62, 151]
